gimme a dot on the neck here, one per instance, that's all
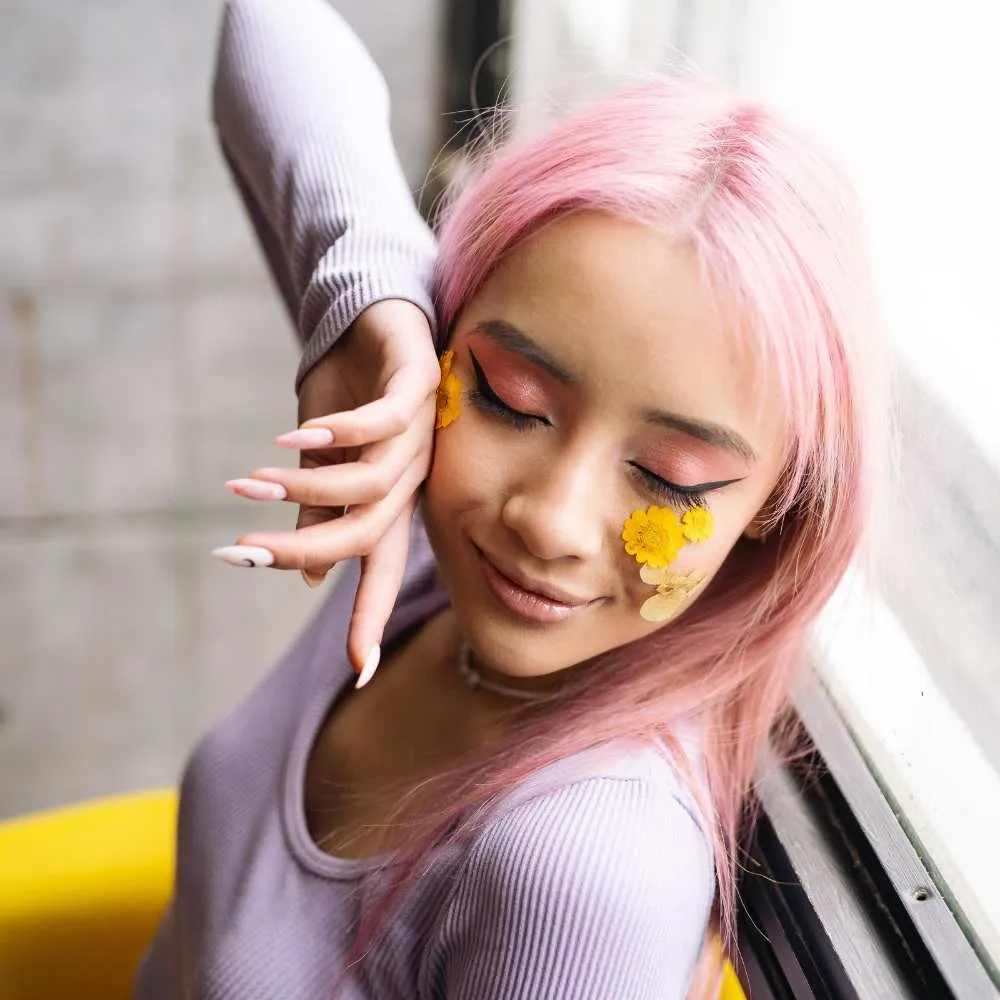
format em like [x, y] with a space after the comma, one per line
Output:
[423, 678]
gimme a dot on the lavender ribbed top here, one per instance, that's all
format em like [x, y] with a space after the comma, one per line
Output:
[594, 880]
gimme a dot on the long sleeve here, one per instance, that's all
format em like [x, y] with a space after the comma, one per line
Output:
[302, 114]
[600, 890]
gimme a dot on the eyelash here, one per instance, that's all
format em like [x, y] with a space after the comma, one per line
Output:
[676, 496]
[487, 400]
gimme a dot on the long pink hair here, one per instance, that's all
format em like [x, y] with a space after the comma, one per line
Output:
[775, 230]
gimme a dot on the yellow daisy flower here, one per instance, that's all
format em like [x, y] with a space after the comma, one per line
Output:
[697, 524]
[654, 536]
[672, 591]
[449, 394]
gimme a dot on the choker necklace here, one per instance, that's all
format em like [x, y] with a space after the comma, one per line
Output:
[475, 680]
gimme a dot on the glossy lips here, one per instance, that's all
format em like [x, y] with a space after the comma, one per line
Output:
[530, 600]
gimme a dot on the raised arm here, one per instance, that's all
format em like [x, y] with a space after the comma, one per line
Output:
[302, 114]
[303, 119]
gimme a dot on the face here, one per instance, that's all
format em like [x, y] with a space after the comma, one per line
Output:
[597, 378]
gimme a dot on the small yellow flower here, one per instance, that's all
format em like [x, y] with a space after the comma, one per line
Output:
[449, 394]
[697, 524]
[654, 536]
[672, 591]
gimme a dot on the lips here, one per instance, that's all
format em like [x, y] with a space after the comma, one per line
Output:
[528, 598]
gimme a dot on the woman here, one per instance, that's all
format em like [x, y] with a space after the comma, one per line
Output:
[651, 463]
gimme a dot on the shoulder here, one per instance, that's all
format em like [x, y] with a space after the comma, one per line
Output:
[629, 842]
[605, 883]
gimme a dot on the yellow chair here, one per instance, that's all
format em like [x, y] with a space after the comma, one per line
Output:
[81, 891]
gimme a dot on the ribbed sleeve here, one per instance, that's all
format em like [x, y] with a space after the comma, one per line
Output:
[302, 115]
[598, 891]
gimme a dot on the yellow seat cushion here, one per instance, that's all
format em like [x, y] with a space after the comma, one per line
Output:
[731, 988]
[83, 888]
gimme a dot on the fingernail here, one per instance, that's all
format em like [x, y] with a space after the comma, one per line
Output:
[371, 664]
[257, 489]
[306, 437]
[244, 555]
[313, 580]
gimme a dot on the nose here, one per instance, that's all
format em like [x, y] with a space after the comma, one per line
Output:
[558, 509]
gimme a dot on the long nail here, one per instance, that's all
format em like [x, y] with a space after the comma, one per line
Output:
[306, 437]
[244, 555]
[313, 580]
[257, 489]
[371, 665]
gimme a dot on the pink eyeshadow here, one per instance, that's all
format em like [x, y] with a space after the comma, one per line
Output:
[518, 383]
[687, 462]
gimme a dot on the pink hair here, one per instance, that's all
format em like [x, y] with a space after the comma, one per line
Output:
[775, 230]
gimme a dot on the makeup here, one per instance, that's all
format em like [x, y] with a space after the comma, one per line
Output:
[654, 537]
[449, 394]
[257, 489]
[244, 555]
[673, 590]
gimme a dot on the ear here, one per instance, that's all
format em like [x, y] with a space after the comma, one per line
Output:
[755, 529]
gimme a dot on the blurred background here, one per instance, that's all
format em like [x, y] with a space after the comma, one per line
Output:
[145, 359]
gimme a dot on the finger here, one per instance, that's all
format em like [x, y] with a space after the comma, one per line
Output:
[318, 546]
[381, 577]
[376, 421]
[348, 483]
[315, 575]
[334, 485]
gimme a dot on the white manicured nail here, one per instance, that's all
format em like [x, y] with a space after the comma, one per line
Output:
[244, 555]
[257, 489]
[306, 437]
[371, 664]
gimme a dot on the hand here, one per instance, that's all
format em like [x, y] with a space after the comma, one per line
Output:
[372, 398]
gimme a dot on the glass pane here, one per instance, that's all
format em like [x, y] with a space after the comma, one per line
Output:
[903, 93]
[906, 95]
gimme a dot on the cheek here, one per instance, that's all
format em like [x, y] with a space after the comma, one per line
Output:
[701, 558]
[464, 470]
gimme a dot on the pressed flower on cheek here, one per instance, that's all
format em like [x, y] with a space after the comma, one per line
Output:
[697, 524]
[654, 537]
[672, 592]
[449, 394]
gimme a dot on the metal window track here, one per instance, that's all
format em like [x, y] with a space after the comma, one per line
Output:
[837, 905]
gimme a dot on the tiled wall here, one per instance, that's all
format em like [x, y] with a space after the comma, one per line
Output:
[144, 359]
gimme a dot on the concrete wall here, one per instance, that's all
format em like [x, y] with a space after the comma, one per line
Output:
[144, 360]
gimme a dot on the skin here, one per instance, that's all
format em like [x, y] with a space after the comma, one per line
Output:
[623, 313]
[595, 294]
[374, 392]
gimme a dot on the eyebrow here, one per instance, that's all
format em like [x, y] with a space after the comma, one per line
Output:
[713, 434]
[507, 335]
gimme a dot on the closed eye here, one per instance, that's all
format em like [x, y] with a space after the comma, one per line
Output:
[485, 398]
[684, 497]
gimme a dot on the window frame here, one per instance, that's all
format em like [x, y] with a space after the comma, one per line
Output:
[836, 902]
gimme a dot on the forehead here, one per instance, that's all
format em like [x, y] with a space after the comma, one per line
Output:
[628, 311]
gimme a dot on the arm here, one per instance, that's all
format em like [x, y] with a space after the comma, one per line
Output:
[302, 116]
[599, 890]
